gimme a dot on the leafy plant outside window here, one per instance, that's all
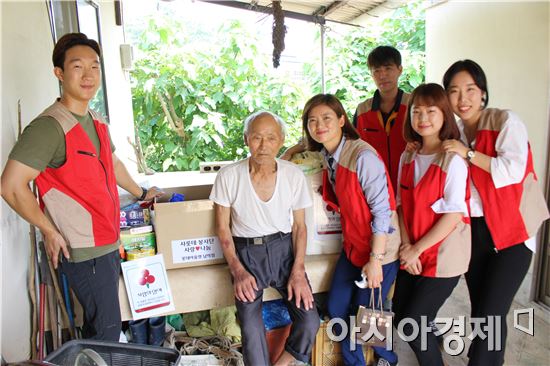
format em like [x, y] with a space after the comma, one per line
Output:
[192, 92]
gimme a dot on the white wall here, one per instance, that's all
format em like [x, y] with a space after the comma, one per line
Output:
[27, 75]
[511, 41]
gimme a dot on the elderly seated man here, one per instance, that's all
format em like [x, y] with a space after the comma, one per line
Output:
[260, 220]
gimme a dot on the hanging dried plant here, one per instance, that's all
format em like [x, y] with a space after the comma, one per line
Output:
[279, 30]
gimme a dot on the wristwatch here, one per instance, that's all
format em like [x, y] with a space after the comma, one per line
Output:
[470, 155]
[379, 256]
[143, 194]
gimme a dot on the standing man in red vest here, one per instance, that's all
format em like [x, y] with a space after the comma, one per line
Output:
[67, 151]
[379, 120]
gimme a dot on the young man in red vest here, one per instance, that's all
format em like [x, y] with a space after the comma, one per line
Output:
[379, 120]
[67, 151]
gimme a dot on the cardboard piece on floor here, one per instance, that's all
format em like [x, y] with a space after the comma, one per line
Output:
[192, 360]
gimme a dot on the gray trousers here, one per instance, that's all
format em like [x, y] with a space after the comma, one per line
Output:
[270, 264]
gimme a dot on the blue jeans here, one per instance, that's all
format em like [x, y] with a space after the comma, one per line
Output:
[344, 300]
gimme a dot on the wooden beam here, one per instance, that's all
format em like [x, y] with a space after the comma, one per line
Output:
[268, 10]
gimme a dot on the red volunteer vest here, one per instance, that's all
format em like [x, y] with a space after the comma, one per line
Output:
[449, 257]
[387, 139]
[515, 212]
[348, 199]
[81, 196]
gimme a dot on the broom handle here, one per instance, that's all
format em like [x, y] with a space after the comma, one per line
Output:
[32, 292]
[41, 325]
[60, 300]
[52, 315]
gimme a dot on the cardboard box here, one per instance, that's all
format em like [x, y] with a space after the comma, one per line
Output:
[185, 230]
[326, 352]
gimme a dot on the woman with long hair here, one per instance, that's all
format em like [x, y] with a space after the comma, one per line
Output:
[507, 204]
[355, 184]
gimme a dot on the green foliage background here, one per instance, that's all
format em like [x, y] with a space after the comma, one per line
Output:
[210, 84]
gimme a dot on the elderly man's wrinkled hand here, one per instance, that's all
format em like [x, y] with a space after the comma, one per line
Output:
[298, 288]
[244, 285]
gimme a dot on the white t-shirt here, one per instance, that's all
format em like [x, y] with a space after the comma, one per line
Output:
[454, 192]
[252, 217]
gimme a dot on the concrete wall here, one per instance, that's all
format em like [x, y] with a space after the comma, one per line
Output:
[511, 41]
[27, 75]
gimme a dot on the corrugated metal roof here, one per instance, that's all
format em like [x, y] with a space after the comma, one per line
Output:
[343, 11]
[340, 11]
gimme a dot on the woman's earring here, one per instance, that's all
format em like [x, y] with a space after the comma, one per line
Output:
[483, 100]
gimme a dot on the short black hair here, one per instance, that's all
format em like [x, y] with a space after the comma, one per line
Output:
[69, 41]
[383, 55]
[472, 68]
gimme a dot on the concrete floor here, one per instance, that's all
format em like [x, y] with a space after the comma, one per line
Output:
[521, 349]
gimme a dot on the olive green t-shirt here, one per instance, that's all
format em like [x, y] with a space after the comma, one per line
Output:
[41, 145]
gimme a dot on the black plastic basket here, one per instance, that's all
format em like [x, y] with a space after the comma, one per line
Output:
[115, 354]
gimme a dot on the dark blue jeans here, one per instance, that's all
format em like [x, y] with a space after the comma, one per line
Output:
[345, 298]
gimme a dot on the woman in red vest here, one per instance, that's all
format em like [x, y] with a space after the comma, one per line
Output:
[355, 184]
[433, 216]
[507, 204]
